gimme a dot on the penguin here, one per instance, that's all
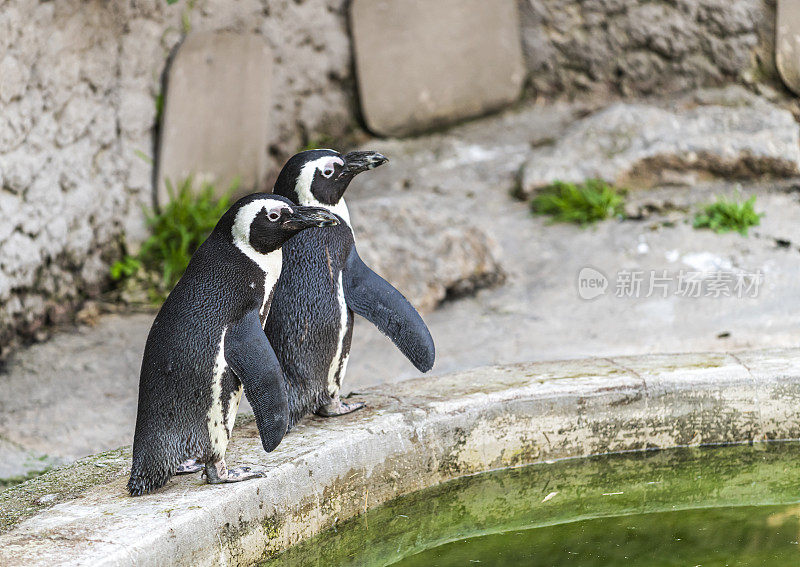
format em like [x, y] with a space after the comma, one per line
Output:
[207, 344]
[323, 283]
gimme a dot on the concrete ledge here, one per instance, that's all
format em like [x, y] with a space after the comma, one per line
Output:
[415, 434]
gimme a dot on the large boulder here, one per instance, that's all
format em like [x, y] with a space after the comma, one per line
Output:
[726, 133]
[426, 250]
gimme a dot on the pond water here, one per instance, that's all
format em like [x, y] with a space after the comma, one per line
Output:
[734, 505]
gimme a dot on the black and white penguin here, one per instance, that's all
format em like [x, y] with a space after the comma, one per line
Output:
[323, 283]
[207, 341]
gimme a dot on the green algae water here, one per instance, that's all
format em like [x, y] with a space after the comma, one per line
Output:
[721, 506]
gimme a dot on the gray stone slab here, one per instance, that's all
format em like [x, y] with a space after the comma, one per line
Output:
[787, 43]
[424, 63]
[216, 114]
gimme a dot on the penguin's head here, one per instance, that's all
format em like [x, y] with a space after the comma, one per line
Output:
[263, 222]
[320, 177]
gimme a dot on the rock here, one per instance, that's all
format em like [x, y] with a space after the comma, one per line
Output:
[422, 64]
[425, 250]
[640, 145]
[216, 115]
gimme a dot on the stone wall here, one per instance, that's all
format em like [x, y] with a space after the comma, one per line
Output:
[632, 47]
[79, 81]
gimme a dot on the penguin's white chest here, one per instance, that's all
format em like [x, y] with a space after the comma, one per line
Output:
[338, 363]
[271, 265]
[222, 413]
[341, 210]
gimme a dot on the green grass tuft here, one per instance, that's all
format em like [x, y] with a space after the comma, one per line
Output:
[125, 268]
[728, 216]
[175, 233]
[583, 204]
[320, 142]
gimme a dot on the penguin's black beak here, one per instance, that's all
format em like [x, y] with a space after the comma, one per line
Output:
[306, 217]
[356, 162]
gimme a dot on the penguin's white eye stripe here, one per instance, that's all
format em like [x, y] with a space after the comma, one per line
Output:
[274, 213]
[309, 172]
[328, 167]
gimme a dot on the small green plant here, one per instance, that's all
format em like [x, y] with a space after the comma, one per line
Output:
[728, 215]
[583, 204]
[175, 233]
[321, 141]
[125, 268]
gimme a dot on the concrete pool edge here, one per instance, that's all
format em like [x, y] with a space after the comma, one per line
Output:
[414, 434]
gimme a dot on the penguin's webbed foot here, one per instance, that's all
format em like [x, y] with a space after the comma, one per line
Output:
[219, 473]
[189, 467]
[338, 407]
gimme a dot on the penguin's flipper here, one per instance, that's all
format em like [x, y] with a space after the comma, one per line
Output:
[372, 297]
[250, 356]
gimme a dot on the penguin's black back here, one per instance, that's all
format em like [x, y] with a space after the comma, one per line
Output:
[304, 320]
[179, 356]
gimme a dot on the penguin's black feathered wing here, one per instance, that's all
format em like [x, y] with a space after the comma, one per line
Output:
[252, 359]
[372, 297]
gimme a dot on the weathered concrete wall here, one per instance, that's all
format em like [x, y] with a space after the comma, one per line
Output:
[635, 47]
[79, 83]
[412, 435]
[80, 80]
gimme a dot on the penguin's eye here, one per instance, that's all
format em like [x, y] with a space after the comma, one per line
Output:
[327, 171]
[274, 215]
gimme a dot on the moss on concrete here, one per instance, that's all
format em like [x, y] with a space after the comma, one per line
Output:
[60, 484]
